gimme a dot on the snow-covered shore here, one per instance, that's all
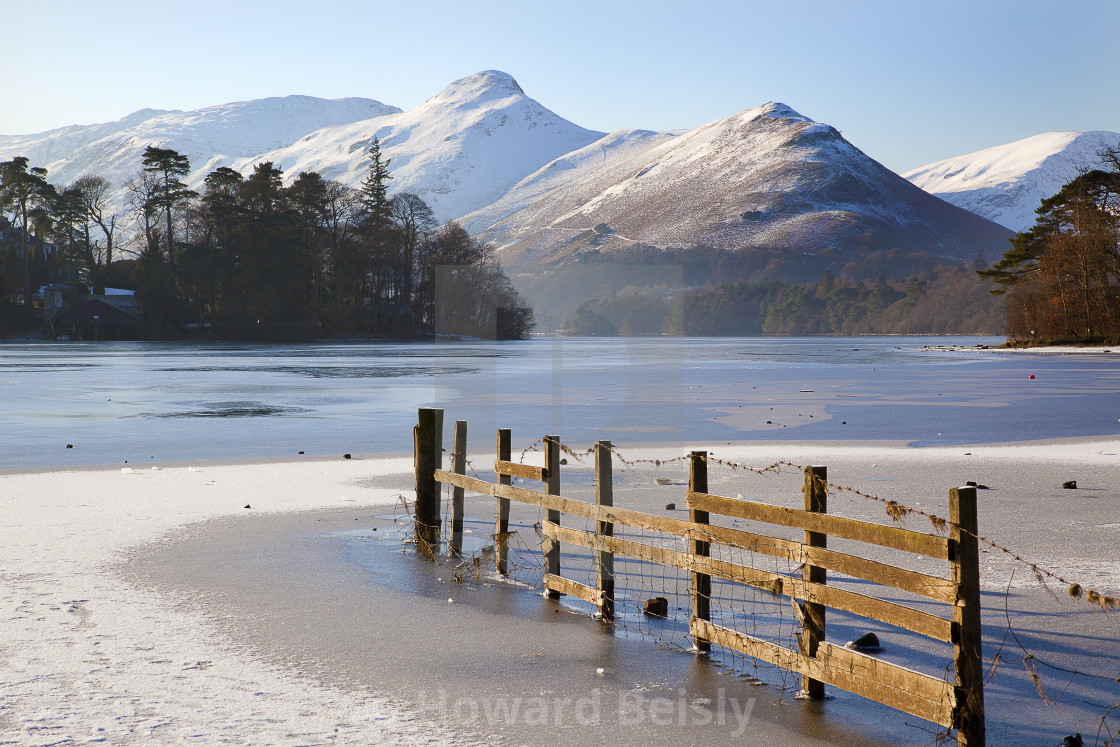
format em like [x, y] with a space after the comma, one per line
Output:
[88, 656]
[1046, 349]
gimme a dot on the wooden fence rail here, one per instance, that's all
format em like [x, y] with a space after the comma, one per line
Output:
[957, 705]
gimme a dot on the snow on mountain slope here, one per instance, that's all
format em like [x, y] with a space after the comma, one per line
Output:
[765, 177]
[210, 137]
[460, 150]
[1006, 183]
[564, 183]
[54, 146]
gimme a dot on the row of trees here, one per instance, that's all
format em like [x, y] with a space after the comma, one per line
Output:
[1061, 277]
[251, 258]
[944, 300]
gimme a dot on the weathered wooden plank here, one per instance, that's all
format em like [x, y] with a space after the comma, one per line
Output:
[834, 526]
[562, 585]
[501, 518]
[893, 675]
[849, 601]
[604, 497]
[839, 673]
[934, 587]
[426, 437]
[890, 613]
[965, 569]
[551, 550]
[700, 583]
[635, 519]
[524, 471]
[760, 543]
[938, 589]
[604, 543]
[813, 619]
[458, 465]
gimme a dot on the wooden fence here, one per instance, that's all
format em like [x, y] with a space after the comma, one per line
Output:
[955, 705]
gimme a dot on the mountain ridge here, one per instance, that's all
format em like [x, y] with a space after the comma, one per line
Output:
[482, 151]
[767, 177]
[1005, 183]
[211, 137]
[459, 150]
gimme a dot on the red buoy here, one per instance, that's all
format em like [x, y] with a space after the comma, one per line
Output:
[1031, 376]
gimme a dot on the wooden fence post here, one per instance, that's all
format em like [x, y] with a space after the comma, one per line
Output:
[501, 523]
[438, 444]
[459, 467]
[426, 443]
[964, 563]
[812, 631]
[701, 582]
[604, 496]
[552, 546]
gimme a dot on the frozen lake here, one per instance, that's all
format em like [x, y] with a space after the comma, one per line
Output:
[170, 401]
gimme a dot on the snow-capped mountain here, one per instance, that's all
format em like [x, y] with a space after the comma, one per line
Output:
[211, 137]
[537, 185]
[1006, 183]
[765, 177]
[460, 150]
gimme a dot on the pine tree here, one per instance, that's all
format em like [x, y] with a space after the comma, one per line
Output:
[24, 191]
[169, 166]
[377, 230]
[375, 198]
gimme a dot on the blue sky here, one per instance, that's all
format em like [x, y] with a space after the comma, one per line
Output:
[908, 82]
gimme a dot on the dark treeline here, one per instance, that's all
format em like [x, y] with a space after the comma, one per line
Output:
[1062, 276]
[943, 300]
[249, 258]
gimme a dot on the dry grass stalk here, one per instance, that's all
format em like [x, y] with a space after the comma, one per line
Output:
[896, 511]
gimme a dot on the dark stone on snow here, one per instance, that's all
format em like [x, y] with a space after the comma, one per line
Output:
[247, 506]
[670, 507]
[866, 642]
[1072, 740]
[1070, 485]
[345, 456]
[69, 446]
[656, 607]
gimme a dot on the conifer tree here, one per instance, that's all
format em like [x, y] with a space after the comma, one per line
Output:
[24, 191]
[168, 166]
[375, 198]
[377, 229]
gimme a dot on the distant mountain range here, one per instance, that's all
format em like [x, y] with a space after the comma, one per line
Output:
[1006, 183]
[211, 137]
[544, 189]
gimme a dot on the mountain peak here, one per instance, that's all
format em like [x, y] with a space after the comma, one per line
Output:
[778, 110]
[487, 85]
